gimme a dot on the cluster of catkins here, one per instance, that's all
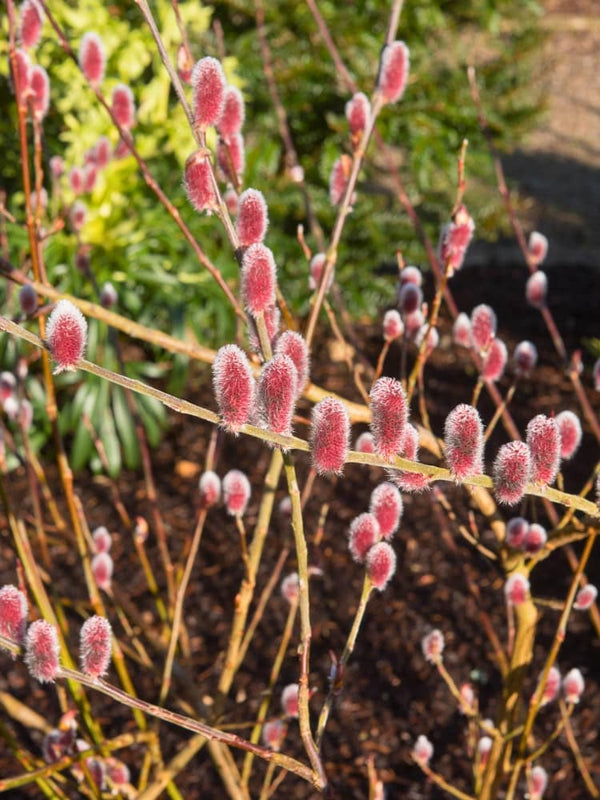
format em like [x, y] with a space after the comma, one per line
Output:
[370, 533]
[40, 639]
[235, 490]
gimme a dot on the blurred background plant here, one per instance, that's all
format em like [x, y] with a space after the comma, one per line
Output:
[134, 243]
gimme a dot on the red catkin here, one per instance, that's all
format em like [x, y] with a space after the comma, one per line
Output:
[317, 264]
[293, 345]
[538, 781]
[66, 334]
[123, 106]
[289, 700]
[95, 642]
[535, 539]
[552, 687]
[358, 114]
[411, 274]
[570, 431]
[386, 506]
[365, 443]
[543, 438]
[393, 72]
[455, 239]
[102, 569]
[290, 587]
[41, 651]
[39, 84]
[573, 686]
[483, 326]
[208, 86]
[381, 564]
[511, 472]
[198, 182]
[338, 179]
[273, 734]
[231, 156]
[253, 218]
[236, 492]
[463, 438]
[103, 151]
[234, 387]
[76, 179]
[102, 540]
[31, 23]
[258, 278]
[329, 435]
[13, 613]
[277, 392]
[410, 298]
[494, 361]
[516, 531]
[77, 215]
[232, 116]
[389, 415]
[364, 532]
[92, 58]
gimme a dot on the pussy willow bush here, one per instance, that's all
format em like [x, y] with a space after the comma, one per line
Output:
[256, 384]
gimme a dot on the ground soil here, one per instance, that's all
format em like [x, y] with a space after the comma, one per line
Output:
[391, 695]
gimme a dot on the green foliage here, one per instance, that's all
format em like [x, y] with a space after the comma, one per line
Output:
[137, 246]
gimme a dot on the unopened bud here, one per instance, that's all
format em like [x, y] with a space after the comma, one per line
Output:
[365, 443]
[516, 589]
[198, 182]
[57, 166]
[232, 116]
[433, 646]
[535, 539]
[511, 472]
[277, 392]
[393, 327]
[586, 597]
[552, 687]
[76, 180]
[184, 64]
[236, 492]
[422, 752]
[210, 488]
[290, 587]
[95, 641]
[77, 215]
[538, 781]
[103, 151]
[363, 534]
[525, 358]
[90, 173]
[28, 299]
[258, 278]
[338, 179]
[411, 274]
[329, 435]
[234, 387]
[317, 265]
[516, 531]
[231, 156]
[108, 295]
[483, 326]
[123, 106]
[208, 82]
[393, 72]
[92, 58]
[13, 613]
[289, 700]
[253, 218]
[543, 438]
[570, 431]
[463, 438]
[273, 734]
[41, 651]
[102, 540]
[117, 771]
[381, 564]
[66, 334]
[573, 686]
[538, 247]
[102, 569]
[536, 289]
[389, 415]
[410, 298]
[386, 505]
[461, 331]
